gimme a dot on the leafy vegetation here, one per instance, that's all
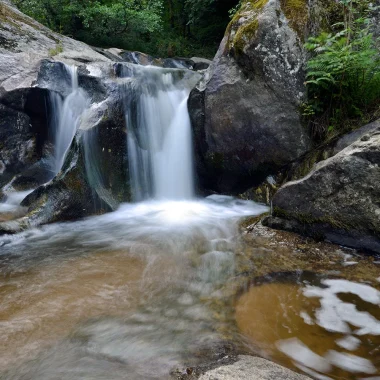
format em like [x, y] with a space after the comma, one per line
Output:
[343, 75]
[158, 27]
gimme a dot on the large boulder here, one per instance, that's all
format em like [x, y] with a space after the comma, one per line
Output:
[33, 67]
[339, 199]
[245, 113]
[24, 43]
[25, 46]
[93, 179]
[17, 146]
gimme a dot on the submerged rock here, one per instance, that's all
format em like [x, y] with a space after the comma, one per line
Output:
[245, 113]
[338, 199]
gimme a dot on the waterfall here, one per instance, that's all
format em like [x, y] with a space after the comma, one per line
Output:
[65, 117]
[159, 133]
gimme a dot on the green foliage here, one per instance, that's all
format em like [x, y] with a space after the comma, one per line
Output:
[97, 21]
[234, 10]
[122, 17]
[157, 27]
[343, 77]
[58, 49]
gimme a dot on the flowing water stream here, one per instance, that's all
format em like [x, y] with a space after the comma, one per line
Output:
[159, 133]
[127, 291]
[63, 124]
[135, 293]
[65, 117]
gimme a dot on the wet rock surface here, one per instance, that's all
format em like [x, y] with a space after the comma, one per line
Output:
[28, 77]
[338, 200]
[248, 367]
[136, 57]
[17, 143]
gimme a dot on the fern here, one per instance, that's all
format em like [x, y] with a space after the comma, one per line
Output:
[342, 77]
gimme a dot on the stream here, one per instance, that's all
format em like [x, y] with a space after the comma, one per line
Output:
[161, 284]
[126, 291]
[157, 285]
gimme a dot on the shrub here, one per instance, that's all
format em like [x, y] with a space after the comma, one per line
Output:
[343, 78]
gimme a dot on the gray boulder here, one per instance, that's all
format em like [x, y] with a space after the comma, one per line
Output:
[32, 67]
[349, 138]
[250, 367]
[338, 200]
[17, 143]
[24, 43]
[200, 63]
[245, 113]
[24, 90]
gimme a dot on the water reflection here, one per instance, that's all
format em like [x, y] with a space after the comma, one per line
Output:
[327, 328]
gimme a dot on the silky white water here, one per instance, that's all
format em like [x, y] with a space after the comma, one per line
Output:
[121, 295]
[65, 116]
[13, 201]
[159, 135]
[65, 119]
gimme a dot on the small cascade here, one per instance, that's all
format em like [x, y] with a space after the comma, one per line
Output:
[159, 133]
[10, 208]
[65, 117]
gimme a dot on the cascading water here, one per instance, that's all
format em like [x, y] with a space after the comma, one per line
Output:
[159, 133]
[127, 288]
[64, 120]
[65, 117]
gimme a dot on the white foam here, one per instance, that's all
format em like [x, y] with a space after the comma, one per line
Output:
[171, 224]
[13, 201]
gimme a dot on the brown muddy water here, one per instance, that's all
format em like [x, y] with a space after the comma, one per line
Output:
[137, 293]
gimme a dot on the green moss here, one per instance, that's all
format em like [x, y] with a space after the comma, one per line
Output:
[9, 15]
[296, 11]
[307, 164]
[309, 219]
[330, 13]
[244, 35]
[58, 49]
[248, 31]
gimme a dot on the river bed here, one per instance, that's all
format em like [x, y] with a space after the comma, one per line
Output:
[157, 285]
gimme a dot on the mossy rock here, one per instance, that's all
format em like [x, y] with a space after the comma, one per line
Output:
[296, 11]
[246, 32]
